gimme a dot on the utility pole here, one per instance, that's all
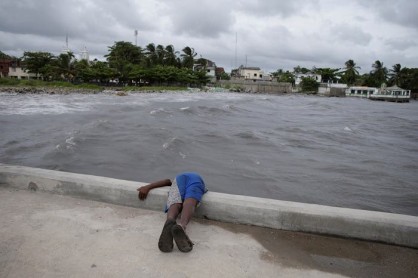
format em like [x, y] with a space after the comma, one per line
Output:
[236, 46]
[136, 37]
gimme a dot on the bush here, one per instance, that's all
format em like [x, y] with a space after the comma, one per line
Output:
[30, 82]
[309, 85]
[9, 82]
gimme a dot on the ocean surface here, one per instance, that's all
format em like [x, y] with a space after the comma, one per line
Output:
[344, 152]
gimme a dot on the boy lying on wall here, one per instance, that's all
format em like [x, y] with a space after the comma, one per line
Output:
[184, 196]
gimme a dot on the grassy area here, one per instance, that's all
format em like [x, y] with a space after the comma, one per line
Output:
[11, 82]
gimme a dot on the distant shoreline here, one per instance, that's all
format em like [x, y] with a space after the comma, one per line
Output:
[121, 91]
[68, 90]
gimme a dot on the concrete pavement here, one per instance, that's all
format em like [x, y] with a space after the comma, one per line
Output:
[49, 235]
[292, 216]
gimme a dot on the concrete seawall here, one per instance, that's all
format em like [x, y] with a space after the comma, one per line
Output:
[264, 87]
[351, 223]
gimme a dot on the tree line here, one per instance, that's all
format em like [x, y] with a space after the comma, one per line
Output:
[125, 62]
[163, 65]
[406, 78]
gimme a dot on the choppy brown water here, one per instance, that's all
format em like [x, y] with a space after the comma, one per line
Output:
[334, 151]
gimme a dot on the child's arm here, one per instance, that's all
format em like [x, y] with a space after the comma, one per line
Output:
[144, 190]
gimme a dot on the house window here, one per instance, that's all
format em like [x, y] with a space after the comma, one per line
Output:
[208, 70]
[255, 75]
[353, 91]
[261, 76]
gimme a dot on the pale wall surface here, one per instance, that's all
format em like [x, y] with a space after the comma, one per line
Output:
[361, 224]
[49, 235]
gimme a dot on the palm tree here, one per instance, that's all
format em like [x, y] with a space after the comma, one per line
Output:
[327, 74]
[350, 72]
[188, 57]
[160, 51]
[171, 56]
[151, 55]
[395, 74]
[379, 73]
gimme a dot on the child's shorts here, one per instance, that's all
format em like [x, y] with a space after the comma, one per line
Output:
[184, 186]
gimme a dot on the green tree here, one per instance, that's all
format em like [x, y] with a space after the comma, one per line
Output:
[286, 77]
[299, 69]
[171, 56]
[350, 72]
[151, 56]
[277, 73]
[82, 71]
[328, 74]
[4, 56]
[36, 62]
[223, 76]
[161, 54]
[188, 57]
[409, 79]
[65, 63]
[101, 72]
[379, 73]
[395, 74]
[309, 84]
[122, 55]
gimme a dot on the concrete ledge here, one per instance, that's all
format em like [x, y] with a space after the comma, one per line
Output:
[367, 225]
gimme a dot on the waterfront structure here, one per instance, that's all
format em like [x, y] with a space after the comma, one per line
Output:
[332, 89]
[361, 91]
[393, 93]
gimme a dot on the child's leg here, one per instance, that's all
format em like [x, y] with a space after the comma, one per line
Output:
[189, 206]
[174, 211]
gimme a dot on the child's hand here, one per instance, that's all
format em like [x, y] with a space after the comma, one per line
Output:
[143, 192]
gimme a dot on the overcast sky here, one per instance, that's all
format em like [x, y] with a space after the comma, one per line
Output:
[271, 34]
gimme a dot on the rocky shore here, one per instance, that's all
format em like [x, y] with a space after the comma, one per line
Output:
[107, 90]
[47, 90]
[65, 91]
[119, 91]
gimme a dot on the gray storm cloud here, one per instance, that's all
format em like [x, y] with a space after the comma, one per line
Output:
[271, 34]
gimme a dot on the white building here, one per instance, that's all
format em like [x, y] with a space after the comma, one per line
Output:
[20, 73]
[84, 55]
[209, 67]
[332, 89]
[393, 93]
[300, 76]
[360, 91]
[253, 73]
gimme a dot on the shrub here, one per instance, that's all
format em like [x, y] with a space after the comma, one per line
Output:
[309, 85]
